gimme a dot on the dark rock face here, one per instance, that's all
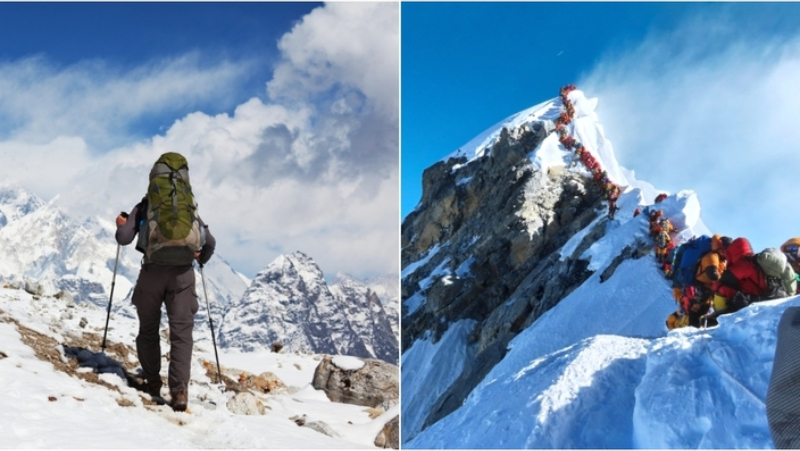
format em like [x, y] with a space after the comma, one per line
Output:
[484, 244]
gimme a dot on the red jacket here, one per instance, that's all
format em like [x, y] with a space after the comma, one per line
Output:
[740, 265]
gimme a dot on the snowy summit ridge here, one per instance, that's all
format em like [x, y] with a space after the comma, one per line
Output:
[532, 319]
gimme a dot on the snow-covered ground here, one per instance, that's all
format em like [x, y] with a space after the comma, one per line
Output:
[44, 407]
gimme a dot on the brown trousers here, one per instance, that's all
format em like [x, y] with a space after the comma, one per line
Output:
[174, 286]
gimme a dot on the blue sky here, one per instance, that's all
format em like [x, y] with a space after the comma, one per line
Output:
[287, 113]
[124, 36]
[698, 96]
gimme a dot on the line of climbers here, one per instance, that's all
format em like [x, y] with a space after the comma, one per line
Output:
[716, 275]
[609, 190]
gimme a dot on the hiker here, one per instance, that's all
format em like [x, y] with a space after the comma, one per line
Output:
[167, 274]
[660, 198]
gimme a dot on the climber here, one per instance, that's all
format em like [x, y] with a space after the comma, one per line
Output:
[661, 197]
[742, 282]
[663, 239]
[654, 215]
[712, 263]
[792, 250]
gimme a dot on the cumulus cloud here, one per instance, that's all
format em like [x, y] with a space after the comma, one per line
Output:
[710, 108]
[314, 168]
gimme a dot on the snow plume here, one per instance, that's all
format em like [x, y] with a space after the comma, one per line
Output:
[314, 167]
[711, 107]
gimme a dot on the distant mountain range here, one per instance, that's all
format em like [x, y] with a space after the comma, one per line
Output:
[39, 242]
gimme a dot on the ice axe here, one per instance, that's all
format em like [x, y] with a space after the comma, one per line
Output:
[111, 296]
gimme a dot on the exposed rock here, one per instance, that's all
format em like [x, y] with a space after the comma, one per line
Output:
[321, 427]
[375, 384]
[389, 437]
[66, 296]
[300, 420]
[245, 403]
[485, 245]
[33, 287]
[374, 412]
[642, 248]
[263, 383]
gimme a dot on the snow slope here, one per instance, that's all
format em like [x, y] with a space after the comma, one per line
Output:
[689, 388]
[600, 370]
[43, 407]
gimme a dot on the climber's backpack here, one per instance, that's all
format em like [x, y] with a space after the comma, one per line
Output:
[688, 257]
[775, 266]
[170, 233]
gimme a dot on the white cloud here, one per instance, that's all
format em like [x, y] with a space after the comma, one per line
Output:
[355, 44]
[315, 170]
[41, 102]
[709, 108]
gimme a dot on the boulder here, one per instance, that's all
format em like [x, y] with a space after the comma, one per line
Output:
[389, 436]
[245, 403]
[375, 384]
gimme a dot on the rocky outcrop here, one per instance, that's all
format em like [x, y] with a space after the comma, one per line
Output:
[484, 244]
[375, 384]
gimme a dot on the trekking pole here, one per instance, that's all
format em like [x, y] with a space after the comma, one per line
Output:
[110, 298]
[211, 322]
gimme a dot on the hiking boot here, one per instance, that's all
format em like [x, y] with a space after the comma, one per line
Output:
[152, 387]
[179, 400]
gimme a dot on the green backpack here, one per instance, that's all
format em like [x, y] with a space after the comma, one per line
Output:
[170, 232]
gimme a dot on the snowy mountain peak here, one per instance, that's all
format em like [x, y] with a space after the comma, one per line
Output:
[515, 273]
[16, 202]
[290, 302]
[585, 127]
